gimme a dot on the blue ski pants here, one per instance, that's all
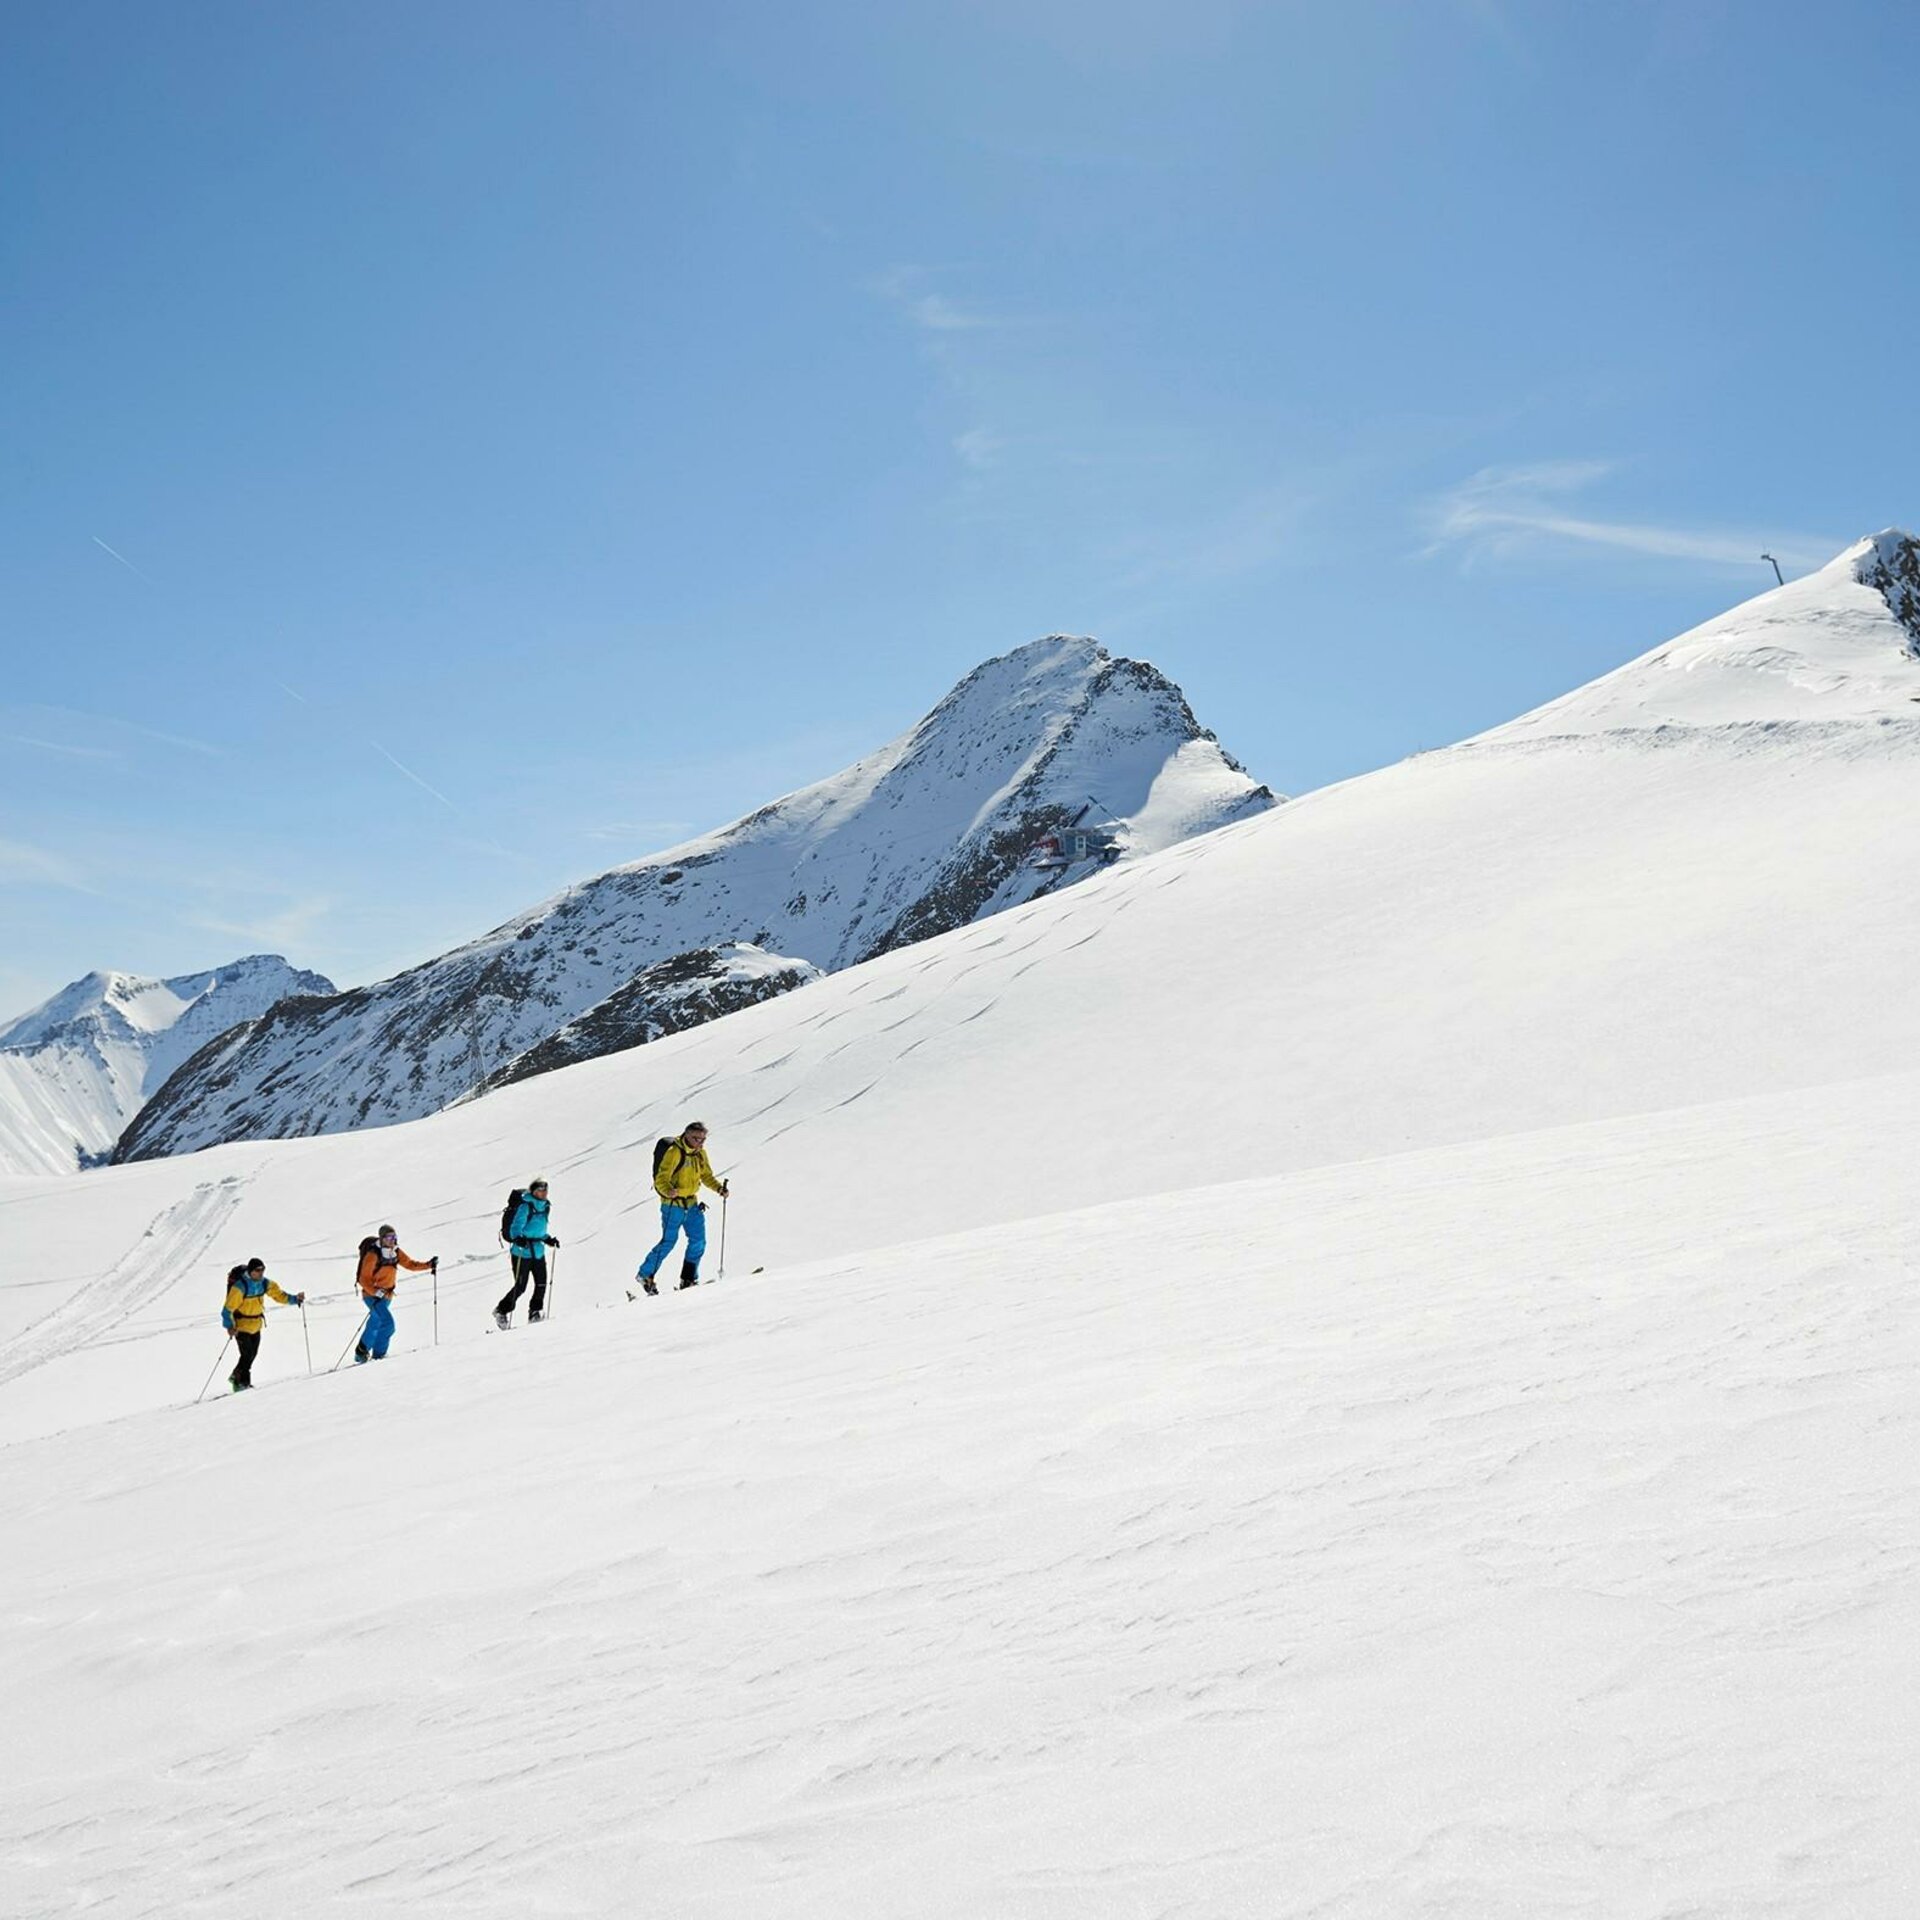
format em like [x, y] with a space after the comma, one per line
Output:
[379, 1328]
[672, 1221]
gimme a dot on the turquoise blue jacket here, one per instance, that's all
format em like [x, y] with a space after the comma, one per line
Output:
[529, 1235]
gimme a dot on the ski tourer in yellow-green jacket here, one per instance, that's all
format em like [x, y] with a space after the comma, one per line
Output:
[680, 1169]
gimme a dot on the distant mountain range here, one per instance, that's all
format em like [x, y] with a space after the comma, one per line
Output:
[75, 1070]
[933, 831]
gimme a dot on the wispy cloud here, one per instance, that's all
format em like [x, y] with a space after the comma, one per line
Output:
[909, 289]
[425, 785]
[22, 865]
[979, 448]
[1503, 511]
[122, 558]
[289, 928]
[95, 721]
[59, 747]
[649, 831]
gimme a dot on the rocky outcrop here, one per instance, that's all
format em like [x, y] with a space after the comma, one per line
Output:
[686, 990]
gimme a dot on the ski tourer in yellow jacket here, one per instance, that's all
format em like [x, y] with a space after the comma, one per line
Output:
[678, 1175]
[248, 1291]
[684, 1169]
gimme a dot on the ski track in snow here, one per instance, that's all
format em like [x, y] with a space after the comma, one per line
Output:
[177, 1239]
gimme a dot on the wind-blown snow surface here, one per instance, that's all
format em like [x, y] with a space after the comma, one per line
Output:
[1500, 1503]
[931, 832]
[1521, 1529]
[75, 1070]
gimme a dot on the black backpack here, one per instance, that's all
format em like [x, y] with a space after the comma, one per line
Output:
[511, 1208]
[660, 1150]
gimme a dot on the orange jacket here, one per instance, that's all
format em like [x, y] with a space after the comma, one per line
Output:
[376, 1277]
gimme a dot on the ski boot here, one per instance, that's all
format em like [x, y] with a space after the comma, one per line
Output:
[502, 1320]
[361, 1356]
[535, 1315]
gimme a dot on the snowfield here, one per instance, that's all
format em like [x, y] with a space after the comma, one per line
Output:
[1359, 1365]
[1517, 1529]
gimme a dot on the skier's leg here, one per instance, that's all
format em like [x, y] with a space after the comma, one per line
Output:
[379, 1328]
[670, 1218]
[511, 1299]
[248, 1346]
[537, 1271]
[696, 1246]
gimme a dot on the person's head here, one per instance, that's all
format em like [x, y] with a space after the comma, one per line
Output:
[388, 1238]
[694, 1133]
[256, 1266]
[538, 1188]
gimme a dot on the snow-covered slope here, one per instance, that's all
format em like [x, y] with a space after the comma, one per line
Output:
[1839, 646]
[76, 1069]
[1529, 930]
[930, 833]
[1398, 1403]
[1519, 1531]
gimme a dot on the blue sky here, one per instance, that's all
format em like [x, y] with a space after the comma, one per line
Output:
[447, 449]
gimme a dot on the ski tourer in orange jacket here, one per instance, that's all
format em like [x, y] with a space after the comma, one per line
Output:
[380, 1264]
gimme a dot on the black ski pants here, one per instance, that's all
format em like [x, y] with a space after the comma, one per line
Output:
[523, 1271]
[249, 1347]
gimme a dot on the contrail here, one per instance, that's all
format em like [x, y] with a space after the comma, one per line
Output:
[124, 561]
[418, 782]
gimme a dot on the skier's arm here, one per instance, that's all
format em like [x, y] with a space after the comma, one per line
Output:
[234, 1297]
[273, 1287]
[413, 1265]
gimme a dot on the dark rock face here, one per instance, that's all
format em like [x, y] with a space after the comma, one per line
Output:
[687, 990]
[1893, 571]
[925, 835]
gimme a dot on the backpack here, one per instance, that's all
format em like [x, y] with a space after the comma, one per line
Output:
[509, 1210]
[660, 1148]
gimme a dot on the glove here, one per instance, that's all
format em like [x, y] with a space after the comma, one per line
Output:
[433, 1265]
[299, 1299]
[726, 1189]
[551, 1241]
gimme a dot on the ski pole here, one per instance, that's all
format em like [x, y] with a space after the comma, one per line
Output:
[352, 1343]
[722, 1274]
[553, 1278]
[307, 1337]
[224, 1345]
[436, 1303]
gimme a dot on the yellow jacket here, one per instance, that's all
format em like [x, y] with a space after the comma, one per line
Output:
[684, 1170]
[247, 1303]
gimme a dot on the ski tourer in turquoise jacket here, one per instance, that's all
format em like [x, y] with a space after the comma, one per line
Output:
[528, 1237]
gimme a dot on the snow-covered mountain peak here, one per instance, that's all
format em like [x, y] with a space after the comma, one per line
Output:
[1841, 644]
[934, 830]
[75, 1069]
